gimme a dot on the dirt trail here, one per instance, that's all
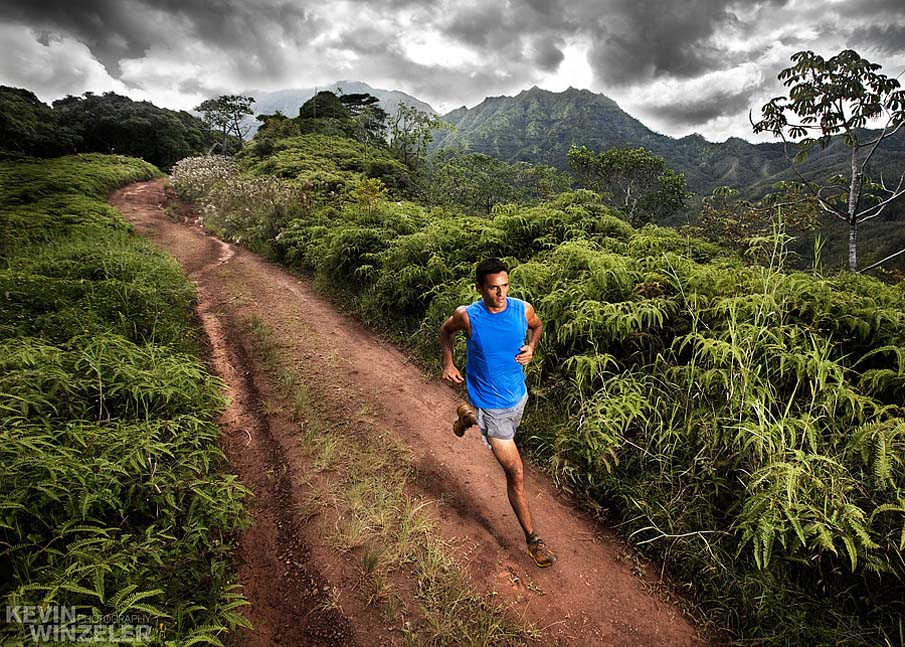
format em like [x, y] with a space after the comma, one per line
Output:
[590, 597]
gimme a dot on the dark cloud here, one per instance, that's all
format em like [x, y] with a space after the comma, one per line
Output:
[366, 41]
[103, 25]
[547, 8]
[195, 86]
[537, 28]
[889, 39]
[793, 40]
[114, 30]
[478, 25]
[639, 40]
[48, 37]
[700, 111]
[871, 10]
[636, 41]
[547, 54]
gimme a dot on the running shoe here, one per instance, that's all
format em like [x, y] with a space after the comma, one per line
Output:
[540, 553]
[465, 419]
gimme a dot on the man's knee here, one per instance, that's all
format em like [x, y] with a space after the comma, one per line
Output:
[515, 473]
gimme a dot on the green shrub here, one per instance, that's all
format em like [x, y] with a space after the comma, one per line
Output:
[112, 496]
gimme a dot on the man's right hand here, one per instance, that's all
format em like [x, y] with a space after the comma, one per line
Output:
[451, 374]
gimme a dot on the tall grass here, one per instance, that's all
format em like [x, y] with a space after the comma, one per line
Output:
[112, 495]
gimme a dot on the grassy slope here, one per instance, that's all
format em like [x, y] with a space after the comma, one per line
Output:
[113, 499]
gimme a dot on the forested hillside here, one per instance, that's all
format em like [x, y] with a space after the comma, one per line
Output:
[539, 126]
[107, 123]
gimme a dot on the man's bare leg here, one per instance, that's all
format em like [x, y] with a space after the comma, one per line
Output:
[507, 454]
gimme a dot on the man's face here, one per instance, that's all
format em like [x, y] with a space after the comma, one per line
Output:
[494, 290]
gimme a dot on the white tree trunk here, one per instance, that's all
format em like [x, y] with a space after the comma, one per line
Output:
[854, 193]
[853, 245]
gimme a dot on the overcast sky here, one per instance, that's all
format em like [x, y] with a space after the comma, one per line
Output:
[680, 66]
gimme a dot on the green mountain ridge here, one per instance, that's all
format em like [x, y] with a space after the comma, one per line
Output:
[539, 126]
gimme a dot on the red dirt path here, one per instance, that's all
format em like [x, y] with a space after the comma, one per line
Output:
[590, 597]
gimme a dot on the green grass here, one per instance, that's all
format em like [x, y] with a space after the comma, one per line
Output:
[41, 200]
[114, 499]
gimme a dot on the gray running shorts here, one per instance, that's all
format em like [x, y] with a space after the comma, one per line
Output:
[500, 423]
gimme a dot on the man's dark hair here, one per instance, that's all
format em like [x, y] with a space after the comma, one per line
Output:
[489, 266]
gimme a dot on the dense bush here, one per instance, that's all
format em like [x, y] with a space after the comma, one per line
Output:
[107, 123]
[111, 498]
[252, 210]
[330, 164]
[112, 123]
[30, 127]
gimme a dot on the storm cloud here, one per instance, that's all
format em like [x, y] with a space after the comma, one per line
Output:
[114, 30]
[639, 40]
[889, 38]
[699, 110]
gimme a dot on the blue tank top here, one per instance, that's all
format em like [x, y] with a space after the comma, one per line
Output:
[492, 376]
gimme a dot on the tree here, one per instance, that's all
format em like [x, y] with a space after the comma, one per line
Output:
[29, 126]
[277, 126]
[112, 123]
[840, 96]
[357, 102]
[370, 119]
[633, 180]
[411, 132]
[475, 182]
[536, 182]
[730, 220]
[472, 181]
[224, 115]
[324, 105]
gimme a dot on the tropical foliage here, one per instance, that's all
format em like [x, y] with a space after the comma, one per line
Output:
[111, 123]
[329, 164]
[539, 127]
[729, 219]
[473, 183]
[111, 495]
[30, 127]
[634, 181]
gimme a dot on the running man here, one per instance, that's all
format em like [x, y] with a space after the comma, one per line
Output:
[497, 352]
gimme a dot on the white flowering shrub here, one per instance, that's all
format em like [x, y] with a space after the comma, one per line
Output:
[193, 177]
[252, 210]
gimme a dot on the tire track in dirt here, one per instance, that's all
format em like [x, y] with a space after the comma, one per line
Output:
[290, 604]
[591, 596]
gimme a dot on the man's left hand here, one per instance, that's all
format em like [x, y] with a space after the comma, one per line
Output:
[526, 353]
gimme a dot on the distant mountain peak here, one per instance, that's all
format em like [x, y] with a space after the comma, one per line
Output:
[289, 100]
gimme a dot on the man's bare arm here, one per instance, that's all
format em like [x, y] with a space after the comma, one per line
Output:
[457, 321]
[535, 328]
